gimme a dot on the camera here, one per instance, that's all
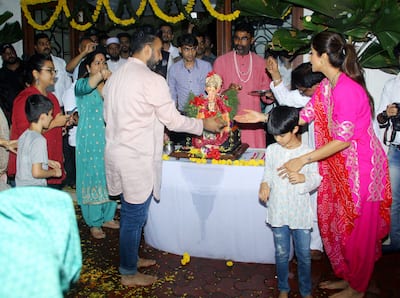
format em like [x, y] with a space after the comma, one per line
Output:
[396, 119]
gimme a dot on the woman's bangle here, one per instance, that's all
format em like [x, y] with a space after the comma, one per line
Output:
[277, 81]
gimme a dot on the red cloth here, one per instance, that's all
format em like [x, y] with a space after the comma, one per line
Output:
[53, 136]
[353, 214]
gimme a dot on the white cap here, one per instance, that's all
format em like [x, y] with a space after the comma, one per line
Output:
[112, 40]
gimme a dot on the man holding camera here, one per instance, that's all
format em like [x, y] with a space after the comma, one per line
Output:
[389, 118]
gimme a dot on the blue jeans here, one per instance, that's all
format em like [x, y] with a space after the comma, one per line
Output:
[394, 170]
[301, 239]
[133, 218]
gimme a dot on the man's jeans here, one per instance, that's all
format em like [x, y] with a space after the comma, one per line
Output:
[394, 169]
[133, 218]
[301, 239]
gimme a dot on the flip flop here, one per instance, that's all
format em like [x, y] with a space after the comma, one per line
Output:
[97, 233]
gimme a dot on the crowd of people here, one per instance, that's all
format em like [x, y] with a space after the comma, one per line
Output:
[98, 123]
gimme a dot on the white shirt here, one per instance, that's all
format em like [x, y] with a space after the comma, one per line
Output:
[289, 204]
[113, 66]
[173, 51]
[69, 101]
[390, 94]
[62, 80]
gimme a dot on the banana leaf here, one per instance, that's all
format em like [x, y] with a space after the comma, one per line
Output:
[293, 41]
[4, 17]
[10, 33]
[333, 8]
[375, 56]
[275, 9]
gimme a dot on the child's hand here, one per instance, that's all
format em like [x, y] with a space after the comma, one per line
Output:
[264, 191]
[295, 178]
[54, 164]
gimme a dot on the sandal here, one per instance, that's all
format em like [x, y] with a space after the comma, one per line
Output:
[97, 233]
[112, 224]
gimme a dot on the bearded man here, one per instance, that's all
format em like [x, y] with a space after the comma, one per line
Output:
[137, 106]
[245, 71]
[11, 78]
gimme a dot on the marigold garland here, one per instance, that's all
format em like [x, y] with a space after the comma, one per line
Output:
[219, 16]
[31, 21]
[62, 5]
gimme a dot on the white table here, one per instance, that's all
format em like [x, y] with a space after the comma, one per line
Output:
[210, 211]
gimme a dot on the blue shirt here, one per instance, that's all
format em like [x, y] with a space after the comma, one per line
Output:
[182, 81]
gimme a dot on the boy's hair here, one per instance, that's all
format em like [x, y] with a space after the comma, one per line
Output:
[37, 105]
[188, 39]
[304, 77]
[282, 119]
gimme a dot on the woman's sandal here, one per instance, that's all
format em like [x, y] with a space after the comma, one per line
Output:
[97, 233]
[112, 224]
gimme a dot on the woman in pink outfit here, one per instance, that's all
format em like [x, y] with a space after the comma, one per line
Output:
[355, 194]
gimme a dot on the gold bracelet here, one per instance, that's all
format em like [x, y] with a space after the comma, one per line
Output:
[277, 81]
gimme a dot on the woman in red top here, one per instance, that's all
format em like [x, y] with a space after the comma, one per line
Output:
[40, 75]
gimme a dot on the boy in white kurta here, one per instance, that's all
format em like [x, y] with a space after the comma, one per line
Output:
[288, 198]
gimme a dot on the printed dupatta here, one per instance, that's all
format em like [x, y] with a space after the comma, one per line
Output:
[336, 209]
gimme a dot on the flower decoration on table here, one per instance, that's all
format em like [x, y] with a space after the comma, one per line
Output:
[62, 5]
[213, 104]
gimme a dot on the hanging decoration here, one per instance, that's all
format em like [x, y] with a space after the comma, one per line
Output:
[62, 6]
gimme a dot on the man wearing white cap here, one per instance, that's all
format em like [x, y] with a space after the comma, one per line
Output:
[113, 50]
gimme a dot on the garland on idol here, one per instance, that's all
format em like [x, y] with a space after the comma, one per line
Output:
[62, 6]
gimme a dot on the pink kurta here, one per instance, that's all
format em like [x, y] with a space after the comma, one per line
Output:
[137, 105]
[252, 134]
[355, 194]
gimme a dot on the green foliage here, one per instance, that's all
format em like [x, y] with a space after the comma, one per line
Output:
[232, 102]
[11, 32]
[191, 110]
[372, 22]
[275, 9]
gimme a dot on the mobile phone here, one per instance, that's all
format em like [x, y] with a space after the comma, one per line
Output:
[73, 111]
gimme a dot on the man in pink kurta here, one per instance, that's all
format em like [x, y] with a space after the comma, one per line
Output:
[245, 71]
[137, 105]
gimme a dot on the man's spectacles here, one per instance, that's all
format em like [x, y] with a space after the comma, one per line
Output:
[243, 38]
[50, 70]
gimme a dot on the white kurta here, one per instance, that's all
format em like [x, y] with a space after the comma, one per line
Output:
[289, 204]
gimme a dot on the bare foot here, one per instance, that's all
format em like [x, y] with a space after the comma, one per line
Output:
[112, 224]
[97, 233]
[334, 285]
[349, 292]
[144, 263]
[138, 280]
[283, 295]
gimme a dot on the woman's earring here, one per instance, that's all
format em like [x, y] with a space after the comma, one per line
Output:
[37, 82]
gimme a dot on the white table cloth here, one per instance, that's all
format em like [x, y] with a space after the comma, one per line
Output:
[210, 211]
